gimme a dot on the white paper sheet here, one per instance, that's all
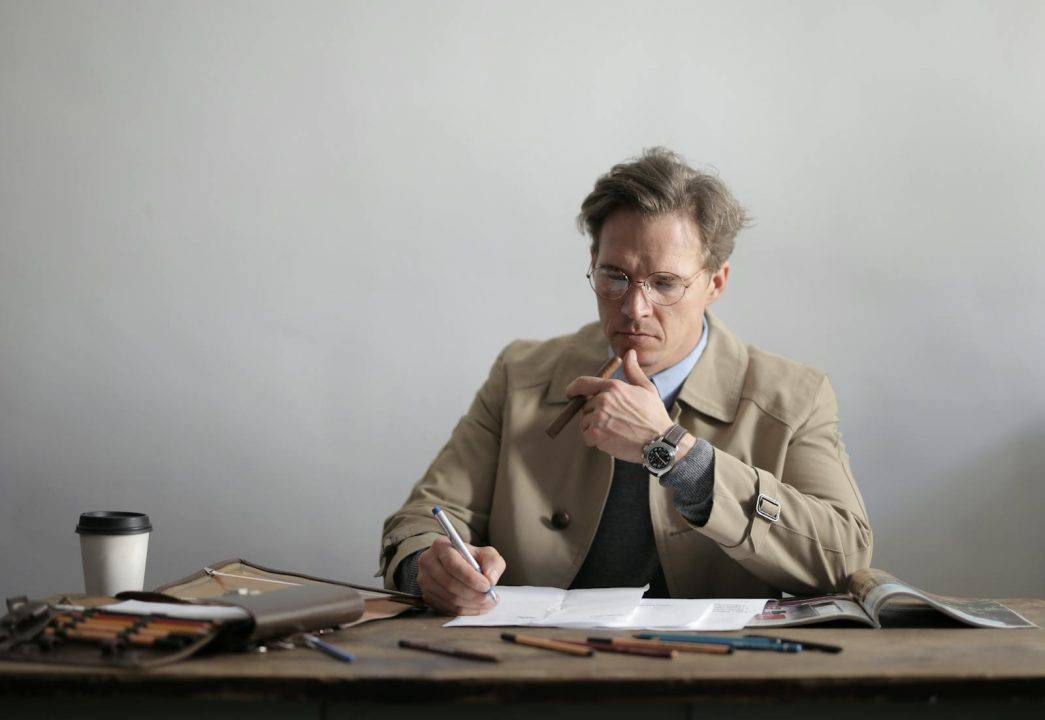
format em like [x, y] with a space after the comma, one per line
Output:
[663, 614]
[681, 614]
[621, 608]
[553, 607]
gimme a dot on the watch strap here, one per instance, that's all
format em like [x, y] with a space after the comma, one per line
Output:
[674, 435]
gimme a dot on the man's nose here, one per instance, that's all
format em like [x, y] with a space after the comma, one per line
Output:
[636, 304]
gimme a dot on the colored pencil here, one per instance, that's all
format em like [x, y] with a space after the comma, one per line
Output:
[706, 648]
[327, 649]
[452, 652]
[663, 653]
[546, 644]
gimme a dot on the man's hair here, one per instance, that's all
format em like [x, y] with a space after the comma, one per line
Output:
[659, 182]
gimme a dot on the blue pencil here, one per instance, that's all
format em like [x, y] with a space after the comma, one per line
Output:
[744, 643]
[328, 649]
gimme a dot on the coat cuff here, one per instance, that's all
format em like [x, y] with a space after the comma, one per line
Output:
[406, 574]
[734, 524]
[396, 551]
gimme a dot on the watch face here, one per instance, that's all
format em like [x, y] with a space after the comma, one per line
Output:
[659, 457]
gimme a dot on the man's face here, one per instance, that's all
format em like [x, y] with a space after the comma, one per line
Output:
[661, 334]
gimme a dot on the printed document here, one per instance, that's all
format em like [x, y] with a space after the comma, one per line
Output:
[553, 607]
[622, 608]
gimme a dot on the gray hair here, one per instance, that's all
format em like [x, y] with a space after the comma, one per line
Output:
[659, 182]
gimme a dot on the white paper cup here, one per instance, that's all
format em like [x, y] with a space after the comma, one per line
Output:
[114, 546]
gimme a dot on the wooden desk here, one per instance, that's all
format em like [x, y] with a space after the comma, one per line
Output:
[919, 672]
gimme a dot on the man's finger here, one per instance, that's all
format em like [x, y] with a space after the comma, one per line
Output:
[457, 605]
[453, 588]
[633, 372]
[458, 567]
[587, 385]
[444, 602]
[491, 562]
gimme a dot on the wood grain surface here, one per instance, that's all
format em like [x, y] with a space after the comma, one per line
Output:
[945, 661]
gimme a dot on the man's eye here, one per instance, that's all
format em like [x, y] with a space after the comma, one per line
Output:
[664, 284]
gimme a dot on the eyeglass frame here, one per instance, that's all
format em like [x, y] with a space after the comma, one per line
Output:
[686, 282]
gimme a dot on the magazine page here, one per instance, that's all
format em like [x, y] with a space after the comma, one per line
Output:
[807, 611]
[874, 588]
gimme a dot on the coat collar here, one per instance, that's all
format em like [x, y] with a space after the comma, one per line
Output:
[713, 388]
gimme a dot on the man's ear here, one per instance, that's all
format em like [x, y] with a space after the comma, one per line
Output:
[718, 283]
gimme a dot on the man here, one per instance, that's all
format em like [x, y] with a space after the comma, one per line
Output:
[706, 468]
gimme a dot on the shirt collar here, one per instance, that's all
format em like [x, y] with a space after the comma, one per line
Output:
[669, 381]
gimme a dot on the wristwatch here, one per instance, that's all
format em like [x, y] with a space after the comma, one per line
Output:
[659, 455]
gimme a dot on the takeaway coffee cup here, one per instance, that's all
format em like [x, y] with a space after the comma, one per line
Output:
[113, 545]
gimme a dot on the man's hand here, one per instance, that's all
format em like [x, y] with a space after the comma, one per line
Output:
[621, 417]
[450, 585]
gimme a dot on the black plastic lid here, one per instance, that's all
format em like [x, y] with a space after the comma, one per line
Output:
[113, 522]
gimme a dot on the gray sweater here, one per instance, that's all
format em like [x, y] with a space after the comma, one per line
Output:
[624, 551]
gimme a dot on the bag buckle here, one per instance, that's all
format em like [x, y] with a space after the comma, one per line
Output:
[772, 513]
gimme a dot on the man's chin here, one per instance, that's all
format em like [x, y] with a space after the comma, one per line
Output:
[646, 346]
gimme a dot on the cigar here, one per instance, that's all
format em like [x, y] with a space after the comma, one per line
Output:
[547, 644]
[574, 406]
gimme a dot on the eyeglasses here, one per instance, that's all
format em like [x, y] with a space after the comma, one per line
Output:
[662, 288]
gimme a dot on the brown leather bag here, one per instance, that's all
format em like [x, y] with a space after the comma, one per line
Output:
[277, 604]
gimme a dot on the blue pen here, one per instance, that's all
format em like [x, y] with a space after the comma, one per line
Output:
[806, 645]
[745, 643]
[328, 649]
[459, 544]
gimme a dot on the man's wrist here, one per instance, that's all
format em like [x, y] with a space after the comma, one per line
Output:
[685, 445]
[693, 480]
[406, 573]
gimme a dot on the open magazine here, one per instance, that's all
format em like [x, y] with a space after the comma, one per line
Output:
[874, 594]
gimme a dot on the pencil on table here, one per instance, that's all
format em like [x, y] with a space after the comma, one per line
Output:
[665, 653]
[547, 644]
[576, 403]
[707, 648]
[452, 652]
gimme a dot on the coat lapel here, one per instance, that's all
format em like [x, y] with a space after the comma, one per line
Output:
[586, 353]
[714, 386]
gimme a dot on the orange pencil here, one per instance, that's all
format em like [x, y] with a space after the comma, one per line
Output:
[664, 653]
[547, 644]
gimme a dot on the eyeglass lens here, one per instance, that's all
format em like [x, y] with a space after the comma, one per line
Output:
[613, 284]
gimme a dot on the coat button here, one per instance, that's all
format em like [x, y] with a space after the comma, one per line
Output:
[560, 519]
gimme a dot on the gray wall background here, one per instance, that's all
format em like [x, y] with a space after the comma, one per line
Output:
[256, 258]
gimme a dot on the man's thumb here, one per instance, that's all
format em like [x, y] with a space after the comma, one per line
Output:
[633, 373]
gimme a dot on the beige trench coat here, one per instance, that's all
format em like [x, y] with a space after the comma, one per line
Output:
[771, 421]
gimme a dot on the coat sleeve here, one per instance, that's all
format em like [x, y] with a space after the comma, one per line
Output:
[460, 480]
[822, 534]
